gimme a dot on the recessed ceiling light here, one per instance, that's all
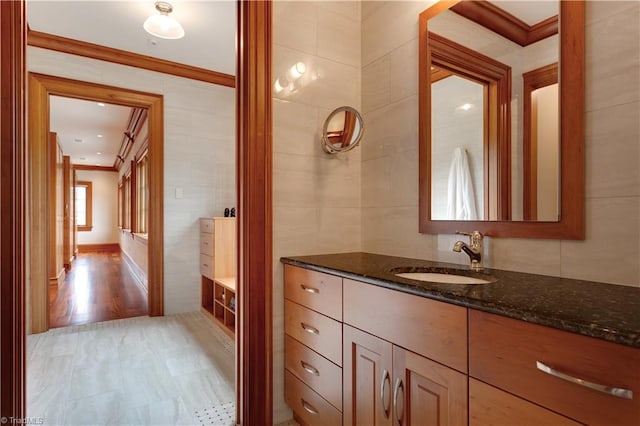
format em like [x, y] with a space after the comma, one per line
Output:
[100, 104]
[99, 136]
[465, 107]
[99, 153]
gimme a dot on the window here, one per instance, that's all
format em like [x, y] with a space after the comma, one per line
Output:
[142, 197]
[126, 214]
[82, 193]
[120, 204]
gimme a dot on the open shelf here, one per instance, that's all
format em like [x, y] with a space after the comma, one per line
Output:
[219, 299]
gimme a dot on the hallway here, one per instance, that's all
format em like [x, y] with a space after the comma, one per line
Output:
[99, 287]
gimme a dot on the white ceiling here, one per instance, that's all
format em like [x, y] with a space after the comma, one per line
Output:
[78, 124]
[210, 28]
[209, 42]
[528, 11]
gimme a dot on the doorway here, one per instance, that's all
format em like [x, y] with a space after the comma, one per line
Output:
[41, 87]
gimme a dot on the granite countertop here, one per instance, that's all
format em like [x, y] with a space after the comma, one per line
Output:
[604, 311]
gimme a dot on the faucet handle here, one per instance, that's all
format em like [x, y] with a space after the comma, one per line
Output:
[468, 234]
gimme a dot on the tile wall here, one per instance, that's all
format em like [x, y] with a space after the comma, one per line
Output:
[199, 157]
[611, 250]
[316, 197]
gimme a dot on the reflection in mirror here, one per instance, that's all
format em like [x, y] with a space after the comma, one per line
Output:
[523, 131]
[473, 51]
[342, 130]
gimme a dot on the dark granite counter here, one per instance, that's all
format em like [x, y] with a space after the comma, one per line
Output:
[605, 311]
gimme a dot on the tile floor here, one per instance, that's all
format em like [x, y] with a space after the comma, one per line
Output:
[134, 371]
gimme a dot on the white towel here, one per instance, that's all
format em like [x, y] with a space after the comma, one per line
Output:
[461, 200]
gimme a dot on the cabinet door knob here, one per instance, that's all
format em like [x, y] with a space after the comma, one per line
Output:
[310, 408]
[617, 392]
[386, 380]
[309, 289]
[309, 368]
[309, 329]
[396, 391]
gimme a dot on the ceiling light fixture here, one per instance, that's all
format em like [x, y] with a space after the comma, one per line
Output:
[162, 25]
[99, 136]
[100, 104]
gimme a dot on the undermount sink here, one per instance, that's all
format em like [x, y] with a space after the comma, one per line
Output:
[443, 275]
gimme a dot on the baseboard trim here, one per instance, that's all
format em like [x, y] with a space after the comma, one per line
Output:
[87, 248]
[138, 274]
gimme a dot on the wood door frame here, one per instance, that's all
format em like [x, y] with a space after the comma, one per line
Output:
[254, 369]
[41, 86]
[12, 215]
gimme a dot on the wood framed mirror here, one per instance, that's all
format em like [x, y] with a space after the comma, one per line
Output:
[505, 203]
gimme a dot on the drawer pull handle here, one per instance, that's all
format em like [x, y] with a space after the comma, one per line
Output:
[309, 368]
[309, 329]
[309, 289]
[396, 390]
[310, 408]
[618, 392]
[386, 380]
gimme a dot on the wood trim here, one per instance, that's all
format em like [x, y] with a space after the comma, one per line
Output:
[502, 22]
[137, 273]
[447, 55]
[254, 375]
[532, 80]
[123, 57]
[571, 225]
[12, 214]
[89, 205]
[108, 247]
[40, 87]
[90, 168]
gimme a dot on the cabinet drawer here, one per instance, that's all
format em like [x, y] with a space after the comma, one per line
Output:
[308, 406]
[320, 333]
[315, 290]
[489, 406]
[317, 372]
[206, 244]
[436, 330]
[206, 225]
[505, 353]
[206, 266]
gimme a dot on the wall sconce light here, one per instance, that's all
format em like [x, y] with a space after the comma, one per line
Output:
[162, 25]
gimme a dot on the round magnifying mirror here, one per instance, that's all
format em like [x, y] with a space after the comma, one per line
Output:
[342, 130]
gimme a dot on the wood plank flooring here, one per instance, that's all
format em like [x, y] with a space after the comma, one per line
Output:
[99, 287]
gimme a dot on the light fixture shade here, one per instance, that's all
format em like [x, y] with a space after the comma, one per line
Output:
[162, 25]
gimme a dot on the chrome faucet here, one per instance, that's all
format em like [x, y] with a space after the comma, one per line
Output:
[473, 249]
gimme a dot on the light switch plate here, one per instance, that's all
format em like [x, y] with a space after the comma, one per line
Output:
[178, 193]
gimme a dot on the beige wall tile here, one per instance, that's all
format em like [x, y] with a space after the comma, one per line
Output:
[612, 151]
[603, 10]
[404, 71]
[326, 83]
[609, 253]
[295, 131]
[376, 84]
[338, 37]
[296, 23]
[348, 9]
[613, 60]
[390, 129]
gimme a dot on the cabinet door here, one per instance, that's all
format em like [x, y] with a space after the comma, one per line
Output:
[366, 379]
[426, 393]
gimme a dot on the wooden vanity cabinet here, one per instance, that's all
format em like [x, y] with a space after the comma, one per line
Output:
[384, 382]
[313, 346]
[506, 353]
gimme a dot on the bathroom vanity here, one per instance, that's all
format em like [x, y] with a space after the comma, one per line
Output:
[364, 346]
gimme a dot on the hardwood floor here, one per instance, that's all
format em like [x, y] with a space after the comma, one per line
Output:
[99, 287]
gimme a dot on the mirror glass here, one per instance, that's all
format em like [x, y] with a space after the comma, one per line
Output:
[494, 112]
[342, 130]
